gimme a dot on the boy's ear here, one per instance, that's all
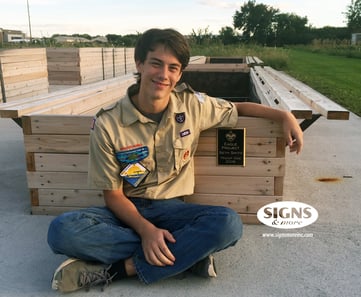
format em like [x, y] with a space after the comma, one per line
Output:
[138, 65]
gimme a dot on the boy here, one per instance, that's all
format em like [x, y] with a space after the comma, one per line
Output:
[141, 156]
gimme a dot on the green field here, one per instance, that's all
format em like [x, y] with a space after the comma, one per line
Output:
[337, 77]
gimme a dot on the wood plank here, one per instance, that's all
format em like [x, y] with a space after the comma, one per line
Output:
[26, 76]
[264, 94]
[26, 95]
[51, 210]
[57, 180]
[255, 146]
[316, 100]
[81, 104]
[56, 143]
[70, 198]
[256, 127]
[254, 167]
[234, 185]
[221, 67]
[239, 203]
[58, 124]
[27, 87]
[31, 105]
[27, 84]
[65, 124]
[61, 162]
[283, 97]
[57, 210]
[197, 60]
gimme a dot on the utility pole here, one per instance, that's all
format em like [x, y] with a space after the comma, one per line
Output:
[27, 4]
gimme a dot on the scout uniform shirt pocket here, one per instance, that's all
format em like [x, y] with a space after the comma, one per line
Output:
[183, 152]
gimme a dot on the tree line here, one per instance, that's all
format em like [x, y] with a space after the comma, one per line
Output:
[256, 23]
[264, 25]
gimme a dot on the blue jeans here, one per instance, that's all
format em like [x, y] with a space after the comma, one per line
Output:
[95, 234]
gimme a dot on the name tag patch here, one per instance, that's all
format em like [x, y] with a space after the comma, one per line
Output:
[185, 133]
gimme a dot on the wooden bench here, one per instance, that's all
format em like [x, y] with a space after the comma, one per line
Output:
[84, 99]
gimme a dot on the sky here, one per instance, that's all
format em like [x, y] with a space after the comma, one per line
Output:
[101, 17]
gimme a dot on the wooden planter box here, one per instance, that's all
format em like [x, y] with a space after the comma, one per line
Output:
[57, 155]
[56, 134]
[23, 73]
[57, 164]
[78, 66]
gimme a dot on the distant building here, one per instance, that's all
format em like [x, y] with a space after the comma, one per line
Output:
[11, 36]
[356, 38]
[101, 39]
[72, 39]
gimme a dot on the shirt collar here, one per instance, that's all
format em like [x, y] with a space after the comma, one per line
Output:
[130, 114]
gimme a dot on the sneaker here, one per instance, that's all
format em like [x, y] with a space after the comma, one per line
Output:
[205, 267]
[75, 274]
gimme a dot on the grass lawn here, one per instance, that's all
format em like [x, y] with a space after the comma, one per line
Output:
[336, 77]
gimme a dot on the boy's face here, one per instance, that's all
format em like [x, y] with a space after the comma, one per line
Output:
[160, 73]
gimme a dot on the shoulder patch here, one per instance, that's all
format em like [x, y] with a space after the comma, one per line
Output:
[200, 96]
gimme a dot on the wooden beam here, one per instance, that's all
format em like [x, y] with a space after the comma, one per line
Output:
[316, 100]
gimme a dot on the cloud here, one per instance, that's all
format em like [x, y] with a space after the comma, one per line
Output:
[220, 4]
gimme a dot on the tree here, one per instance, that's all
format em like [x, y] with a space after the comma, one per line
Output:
[291, 29]
[114, 39]
[255, 20]
[353, 15]
[201, 37]
[228, 36]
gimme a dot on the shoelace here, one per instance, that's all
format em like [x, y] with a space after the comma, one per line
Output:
[89, 279]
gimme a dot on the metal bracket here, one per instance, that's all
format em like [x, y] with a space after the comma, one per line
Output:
[308, 122]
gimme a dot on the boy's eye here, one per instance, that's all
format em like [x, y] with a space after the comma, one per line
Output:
[174, 68]
[155, 63]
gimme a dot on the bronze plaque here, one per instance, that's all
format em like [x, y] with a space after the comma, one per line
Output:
[231, 146]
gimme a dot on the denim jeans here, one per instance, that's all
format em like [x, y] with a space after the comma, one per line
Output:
[95, 234]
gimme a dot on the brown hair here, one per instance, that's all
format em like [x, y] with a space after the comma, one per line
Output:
[170, 38]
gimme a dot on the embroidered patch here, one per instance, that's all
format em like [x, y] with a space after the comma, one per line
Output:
[199, 96]
[180, 117]
[134, 174]
[92, 125]
[186, 155]
[132, 154]
[184, 133]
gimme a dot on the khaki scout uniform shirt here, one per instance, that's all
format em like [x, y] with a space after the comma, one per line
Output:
[172, 143]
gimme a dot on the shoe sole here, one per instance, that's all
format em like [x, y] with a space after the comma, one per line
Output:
[54, 282]
[212, 268]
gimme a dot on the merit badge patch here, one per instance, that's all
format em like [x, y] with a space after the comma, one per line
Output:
[132, 154]
[134, 174]
[180, 117]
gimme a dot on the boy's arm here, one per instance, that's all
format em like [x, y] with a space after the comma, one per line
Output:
[291, 128]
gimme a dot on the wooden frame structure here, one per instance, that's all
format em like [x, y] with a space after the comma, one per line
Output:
[56, 134]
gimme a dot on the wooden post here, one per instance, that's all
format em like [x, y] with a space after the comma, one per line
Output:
[2, 84]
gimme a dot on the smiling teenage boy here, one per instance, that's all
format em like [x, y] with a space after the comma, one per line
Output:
[141, 156]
